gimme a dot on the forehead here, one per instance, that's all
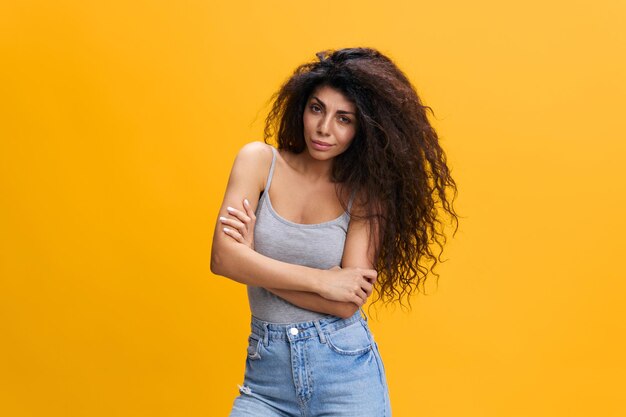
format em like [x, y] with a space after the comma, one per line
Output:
[332, 97]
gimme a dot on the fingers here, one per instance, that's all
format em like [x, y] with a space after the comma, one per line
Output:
[237, 231]
[245, 217]
[241, 219]
[234, 234]
[238, 214]
[359, 298]
[368, 288]
[234, 223]
[351, 284]
[362, 295]
[362, 292]
[371, 274]
[248, 208]
[358, 301]
[241, 224]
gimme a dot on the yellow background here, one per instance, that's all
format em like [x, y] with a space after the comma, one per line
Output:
[119, 122]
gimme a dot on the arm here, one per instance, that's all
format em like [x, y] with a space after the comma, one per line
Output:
[359, 251]
[241, 263]
[315, 302]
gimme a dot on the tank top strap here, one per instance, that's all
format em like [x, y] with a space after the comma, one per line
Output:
[351, 200]
[271, 174]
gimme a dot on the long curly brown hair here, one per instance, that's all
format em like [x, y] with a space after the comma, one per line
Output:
[394, 161]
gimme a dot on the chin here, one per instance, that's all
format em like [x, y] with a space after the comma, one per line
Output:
[320, 156]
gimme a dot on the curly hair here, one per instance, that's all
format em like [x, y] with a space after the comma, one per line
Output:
[395, 160]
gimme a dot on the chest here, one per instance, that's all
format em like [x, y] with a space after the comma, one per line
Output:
[305, 204]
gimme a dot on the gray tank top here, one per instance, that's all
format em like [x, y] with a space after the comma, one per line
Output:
[314, 245]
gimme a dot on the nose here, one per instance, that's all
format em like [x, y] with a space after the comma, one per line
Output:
[324, 125]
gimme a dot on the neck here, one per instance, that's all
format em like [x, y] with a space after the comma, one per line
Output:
[313, 169]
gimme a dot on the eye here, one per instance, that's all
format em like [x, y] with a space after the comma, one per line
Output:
[344, 119]
[315, 108]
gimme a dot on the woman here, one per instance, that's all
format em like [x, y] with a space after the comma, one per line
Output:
[344, 207]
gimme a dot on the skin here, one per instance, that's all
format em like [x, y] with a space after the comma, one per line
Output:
[331, 118]
[301, 192]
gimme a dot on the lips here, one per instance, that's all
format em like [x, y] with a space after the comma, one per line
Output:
[320, 146]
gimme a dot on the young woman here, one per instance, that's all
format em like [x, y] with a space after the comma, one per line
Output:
[345, 206]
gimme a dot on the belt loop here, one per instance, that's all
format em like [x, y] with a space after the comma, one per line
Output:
[319, 331]
[363, 313]
[266, 335]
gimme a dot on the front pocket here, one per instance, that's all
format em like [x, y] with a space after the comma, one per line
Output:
[254, 342]
[350, 340]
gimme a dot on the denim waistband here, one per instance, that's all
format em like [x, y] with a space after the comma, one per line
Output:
[302, 330]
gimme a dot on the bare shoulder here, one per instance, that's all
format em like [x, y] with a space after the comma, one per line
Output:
[254, 160]
[247, 176]
[255, 153]
[358, 203]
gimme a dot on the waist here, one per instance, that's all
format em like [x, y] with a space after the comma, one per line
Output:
[305, 329]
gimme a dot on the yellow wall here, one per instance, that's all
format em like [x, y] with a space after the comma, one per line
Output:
[118, 125]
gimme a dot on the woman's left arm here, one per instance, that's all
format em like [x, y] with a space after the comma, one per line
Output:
[315, 302]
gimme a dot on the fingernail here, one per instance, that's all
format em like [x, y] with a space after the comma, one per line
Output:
[222, 218]
[226, 229]
[229, 208]
[246, 201]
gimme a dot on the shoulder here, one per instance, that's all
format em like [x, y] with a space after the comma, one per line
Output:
[255, 153]
[254, 156]
[360, 204]
[253, 162]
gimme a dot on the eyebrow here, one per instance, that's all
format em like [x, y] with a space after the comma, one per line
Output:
[338, 111]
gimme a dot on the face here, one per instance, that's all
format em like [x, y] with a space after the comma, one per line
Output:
[329, 123]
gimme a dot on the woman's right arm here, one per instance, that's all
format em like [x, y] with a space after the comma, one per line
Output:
[240, 263]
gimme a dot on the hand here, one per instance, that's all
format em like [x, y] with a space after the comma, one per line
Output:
[348, 284]
[241, 225]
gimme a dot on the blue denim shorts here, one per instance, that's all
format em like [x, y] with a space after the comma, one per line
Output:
[326, 367]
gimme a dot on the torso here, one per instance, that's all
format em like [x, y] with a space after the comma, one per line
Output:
[296, 223]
